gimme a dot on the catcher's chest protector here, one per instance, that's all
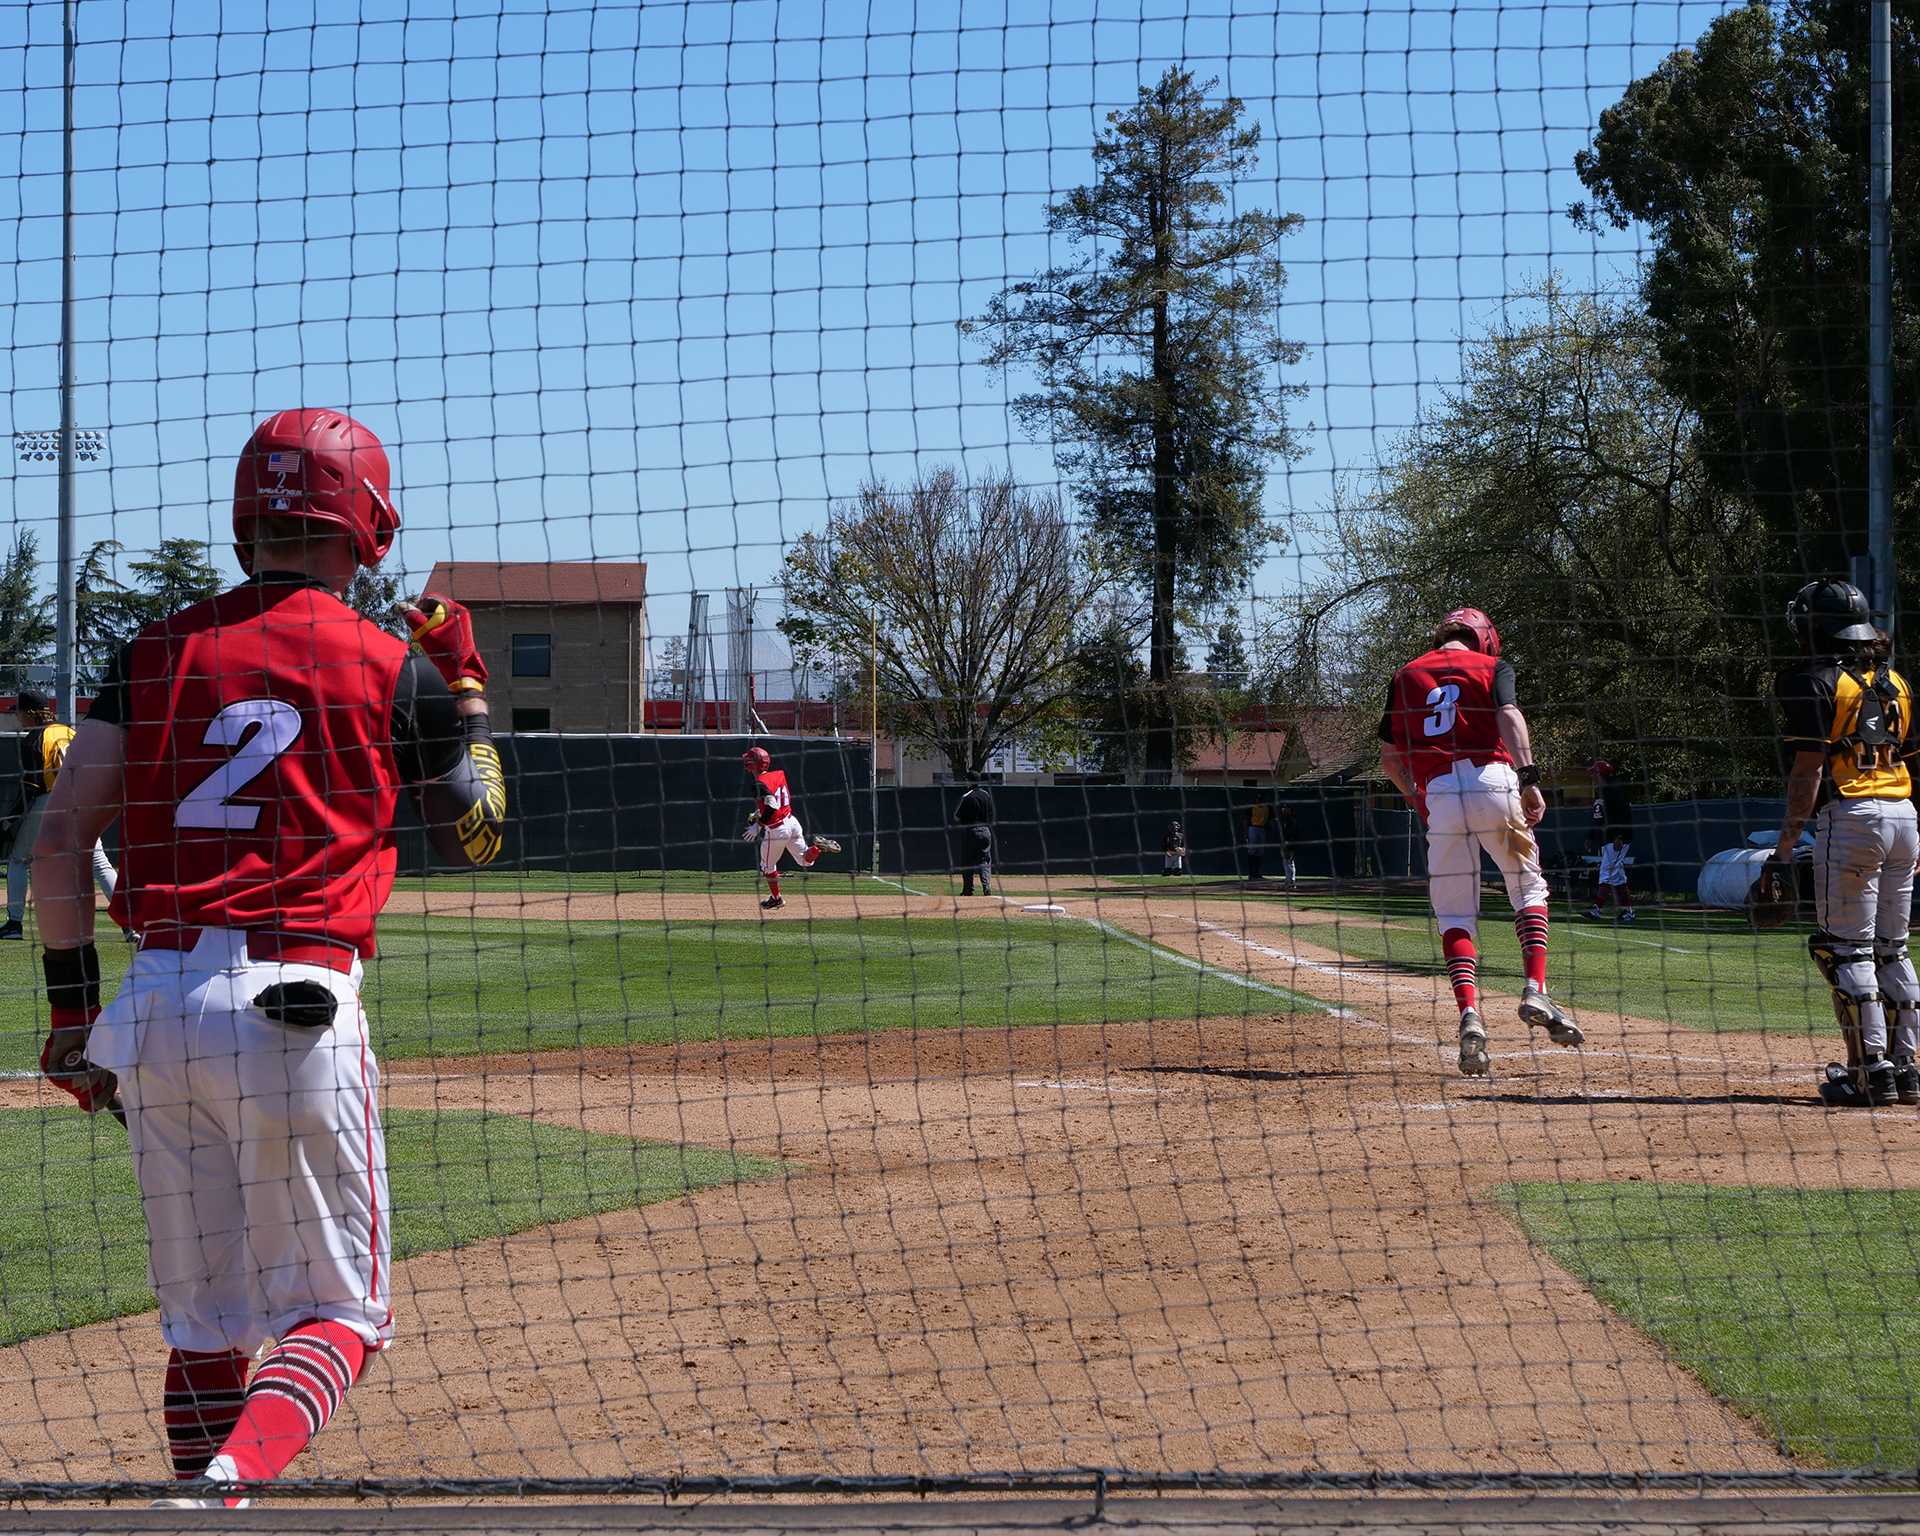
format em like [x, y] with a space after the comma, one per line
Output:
[1874, 741]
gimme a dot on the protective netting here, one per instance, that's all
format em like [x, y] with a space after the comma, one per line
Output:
[1044, 431]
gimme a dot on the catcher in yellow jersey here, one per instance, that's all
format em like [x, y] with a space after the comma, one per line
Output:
[43, 748]
[1849, 733]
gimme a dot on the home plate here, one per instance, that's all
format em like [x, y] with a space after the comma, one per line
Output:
[1044, 907]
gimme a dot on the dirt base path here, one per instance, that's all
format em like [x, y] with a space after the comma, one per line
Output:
[1250, 1244]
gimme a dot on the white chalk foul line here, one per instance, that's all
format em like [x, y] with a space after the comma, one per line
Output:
[1171, 956]
[1334, 971]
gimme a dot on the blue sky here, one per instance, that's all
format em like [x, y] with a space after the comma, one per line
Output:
[659, 281]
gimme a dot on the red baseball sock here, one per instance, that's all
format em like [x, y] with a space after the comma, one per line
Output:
[773, 885]
[200, 1404]
[1530, 923]
[813, 856]
[296, 1389]
[1463, 967]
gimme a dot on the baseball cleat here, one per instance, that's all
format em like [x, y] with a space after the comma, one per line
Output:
[1626, 917]
[1882, 1081]
[12, 930]
[1906, 1081]
[1474, 1060]
[772, 902]
[1538, 1011]
[1595, 915]
[205, 1494]
[826, 845]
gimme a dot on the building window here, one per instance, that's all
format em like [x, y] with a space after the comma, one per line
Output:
[533, 656]
[533, 719]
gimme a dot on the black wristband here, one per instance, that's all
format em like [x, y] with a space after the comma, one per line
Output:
[73, 978]
[477, 727]
[1530, 776]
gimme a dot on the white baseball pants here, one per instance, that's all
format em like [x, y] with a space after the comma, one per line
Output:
[258, 1148]
[1474, 808]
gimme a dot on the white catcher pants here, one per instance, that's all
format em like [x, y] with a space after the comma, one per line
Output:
[258, 1147]
[1863, 856]
[786, 837]
[1473, 808]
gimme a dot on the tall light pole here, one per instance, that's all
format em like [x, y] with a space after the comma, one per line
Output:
[1880, 316]
[64, 601]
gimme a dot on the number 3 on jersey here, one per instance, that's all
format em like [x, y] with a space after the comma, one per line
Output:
[1444, 701]
[209, 803]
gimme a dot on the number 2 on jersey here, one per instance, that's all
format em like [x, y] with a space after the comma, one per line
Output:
[1445, 702]
[209, 803]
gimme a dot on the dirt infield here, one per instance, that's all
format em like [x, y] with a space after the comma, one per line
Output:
[1253, 1244]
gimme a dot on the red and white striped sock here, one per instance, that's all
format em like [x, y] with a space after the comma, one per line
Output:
[1530, 924]
[294, 1392]
[1463, 967]
[201, 1403]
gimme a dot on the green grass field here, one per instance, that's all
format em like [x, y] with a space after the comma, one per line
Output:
[1707, 975]
[453, 986]
[73, 1245]
[1799, 1307]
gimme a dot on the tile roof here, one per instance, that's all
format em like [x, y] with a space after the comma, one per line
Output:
[541, 582]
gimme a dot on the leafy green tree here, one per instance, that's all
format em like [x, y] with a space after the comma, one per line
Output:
[172, 576]
[1747, 158]
[26, 625]
[376, 597]
[1154, 355]
[1227, 664]
[105, 612]
[1562, 489]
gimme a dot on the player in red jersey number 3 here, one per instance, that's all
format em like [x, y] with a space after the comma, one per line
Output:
[1456, 745]
[254, 747]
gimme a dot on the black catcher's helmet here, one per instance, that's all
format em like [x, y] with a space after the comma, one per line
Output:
[1828, 616]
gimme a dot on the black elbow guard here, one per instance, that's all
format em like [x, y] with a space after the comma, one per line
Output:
[466, 810]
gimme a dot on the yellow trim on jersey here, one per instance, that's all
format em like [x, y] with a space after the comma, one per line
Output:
[1875, 781]
[54, 741]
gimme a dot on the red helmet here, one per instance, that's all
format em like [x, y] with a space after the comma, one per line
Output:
[1485, 638]
[756, 760]
[320, 465]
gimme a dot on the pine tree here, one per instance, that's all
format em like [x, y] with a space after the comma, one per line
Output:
[1154, 354]
[26, 628]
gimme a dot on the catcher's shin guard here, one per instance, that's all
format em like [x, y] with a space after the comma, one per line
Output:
[1900, 993]
[1847, 966]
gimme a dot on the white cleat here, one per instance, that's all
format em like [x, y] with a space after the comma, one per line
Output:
[1474, 1060]
[1538, 1011]
[826, 845]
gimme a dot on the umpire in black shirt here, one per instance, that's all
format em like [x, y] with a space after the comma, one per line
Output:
[973, 835]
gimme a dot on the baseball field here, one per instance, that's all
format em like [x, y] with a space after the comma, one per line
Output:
[1153, 1174]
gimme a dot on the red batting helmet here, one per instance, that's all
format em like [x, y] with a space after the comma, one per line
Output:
[320, 465]
[1478, 630]
[756, 760]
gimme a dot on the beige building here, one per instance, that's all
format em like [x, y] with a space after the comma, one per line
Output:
[565, 641]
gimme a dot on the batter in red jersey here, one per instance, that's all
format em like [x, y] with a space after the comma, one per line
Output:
[1454, 742]
[254, 747]
[776, 827]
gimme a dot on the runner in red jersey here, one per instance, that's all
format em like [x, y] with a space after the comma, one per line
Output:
[254, 747]
[776, 827]
[1455, 743]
